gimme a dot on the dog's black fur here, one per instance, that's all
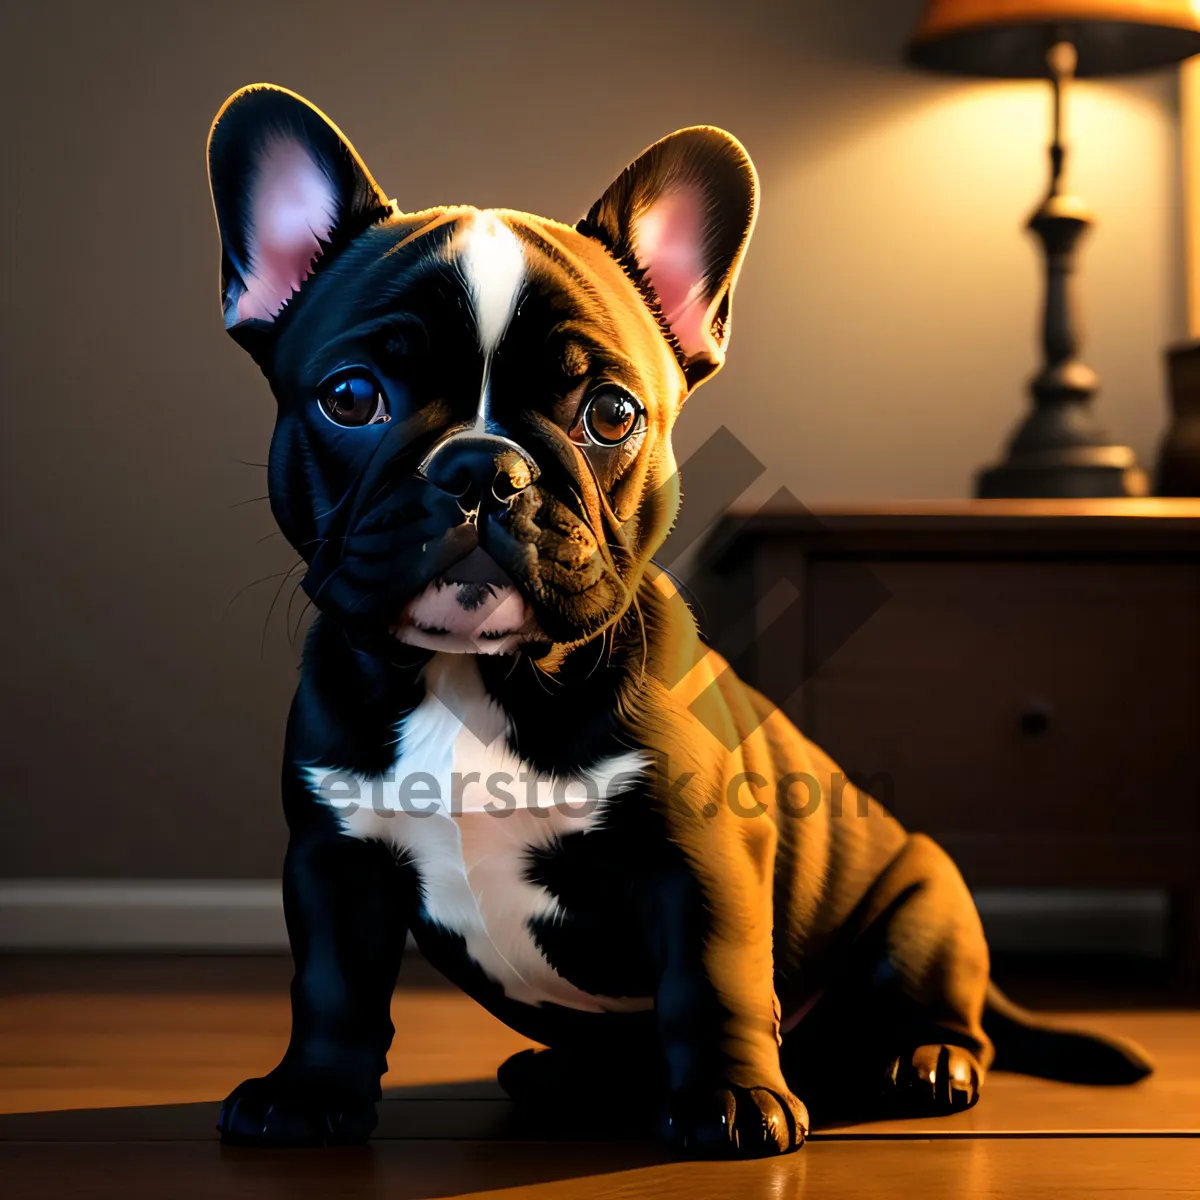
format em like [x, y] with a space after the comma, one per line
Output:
[718, 932]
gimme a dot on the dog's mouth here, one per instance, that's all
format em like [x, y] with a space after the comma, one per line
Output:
[472, 608]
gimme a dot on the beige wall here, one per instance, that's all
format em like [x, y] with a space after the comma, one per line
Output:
[884, 328]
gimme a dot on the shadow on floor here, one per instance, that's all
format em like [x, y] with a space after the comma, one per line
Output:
[435, 1140]
[465, 1111]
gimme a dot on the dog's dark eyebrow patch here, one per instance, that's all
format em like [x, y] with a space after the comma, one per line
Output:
[605, 361]
[406, 330]
[575, 360]
[580, 346]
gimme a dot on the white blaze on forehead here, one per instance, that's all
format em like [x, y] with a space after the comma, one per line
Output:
[493, 264]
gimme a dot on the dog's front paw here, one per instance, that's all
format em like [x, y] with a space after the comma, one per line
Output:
[735, 1122]
[290, 1110]
[932, 1081]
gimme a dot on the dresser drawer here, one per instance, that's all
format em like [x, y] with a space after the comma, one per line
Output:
[1046, 706]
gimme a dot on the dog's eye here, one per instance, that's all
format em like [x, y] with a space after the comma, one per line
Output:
[609, 417]
[354, 400]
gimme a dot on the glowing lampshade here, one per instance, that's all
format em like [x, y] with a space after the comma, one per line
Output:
[1008, 38]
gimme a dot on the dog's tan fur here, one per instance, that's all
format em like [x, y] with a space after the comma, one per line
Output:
[790, 887]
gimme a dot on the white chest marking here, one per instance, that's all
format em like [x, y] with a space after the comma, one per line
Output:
[467, 812]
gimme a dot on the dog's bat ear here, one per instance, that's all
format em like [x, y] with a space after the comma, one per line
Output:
[679, 218]
[287, 188]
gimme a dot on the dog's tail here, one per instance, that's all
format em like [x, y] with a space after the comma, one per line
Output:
[1030, 1045]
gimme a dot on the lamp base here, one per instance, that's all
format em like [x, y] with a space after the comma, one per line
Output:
[1059, 451]
[1179, 457]
[1068, 473]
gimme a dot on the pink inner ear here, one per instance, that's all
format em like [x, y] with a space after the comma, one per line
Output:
[668, 239]
[292, 204]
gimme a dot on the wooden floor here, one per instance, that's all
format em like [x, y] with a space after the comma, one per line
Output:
[111, 1070]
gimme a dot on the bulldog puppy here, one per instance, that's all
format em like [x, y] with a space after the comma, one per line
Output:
[508, 739]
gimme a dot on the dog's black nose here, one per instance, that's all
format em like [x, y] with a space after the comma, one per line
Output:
[479, 465]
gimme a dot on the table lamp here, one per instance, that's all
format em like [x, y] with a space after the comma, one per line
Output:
[1058, 450]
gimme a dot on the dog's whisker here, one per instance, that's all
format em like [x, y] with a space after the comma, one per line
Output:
[287, 616]
[308, 606]
[243, 590]
[599, 657]
[300, 564]
[327, 580]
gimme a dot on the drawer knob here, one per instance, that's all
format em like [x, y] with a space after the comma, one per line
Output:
[1035, 718]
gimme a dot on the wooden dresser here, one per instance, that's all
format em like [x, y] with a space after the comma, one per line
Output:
[1018, 679]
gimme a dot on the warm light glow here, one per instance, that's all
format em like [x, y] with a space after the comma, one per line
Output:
[1109, 126]
[946, 15]
[912, 220]
[1189, 146]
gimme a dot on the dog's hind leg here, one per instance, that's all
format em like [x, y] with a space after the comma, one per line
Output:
[899, 1029]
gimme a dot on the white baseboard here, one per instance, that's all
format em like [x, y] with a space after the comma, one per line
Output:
[199, 916]
[193, 916]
